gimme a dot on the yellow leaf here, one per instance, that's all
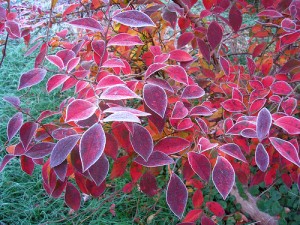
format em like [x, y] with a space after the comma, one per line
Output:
[53, 3]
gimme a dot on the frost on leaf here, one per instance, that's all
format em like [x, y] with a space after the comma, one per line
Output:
[177, 195]
[223, 176]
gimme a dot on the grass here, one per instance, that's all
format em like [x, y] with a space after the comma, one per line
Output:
[22, 197]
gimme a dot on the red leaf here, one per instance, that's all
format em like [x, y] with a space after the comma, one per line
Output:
[156, 159]
[233, 105]
[27, 165]
[289, 124]
[118, 92]
[87, 23]
[200, 164]
[261, 157]
[237, 128]
[286, 149]
[119, 167]
[136, 171]
[192, 216]
[113, 63]
[80, 109]
[180, 56]
[27, 132]
[281, 88]
[214, 34]
[148, 184]
[235, 18]
[111, 146]
[155, 98]
[289, 66]
[263, 124]
[55, 81]
[251, 66]
[171, 145]
[176, 195]
[99, 170]
[153, 68]
[192, 92]
[124, 39]
[233, 150]
[14, 125]
[92, 146]
[225, 65]
[72, 64]
[13, 29]
[66, 55]
[95, 190]
[55, 60]
[198, 199]
[257, 105]
[223, 176]
[204, 48]
[208, 4]
[179, 111]
[109, 81]
[177, 73]
[31, 78]
[141, 141]
[289, 38]
[269, 13]
[184, 39]
[200, 111]
[40, 150]
[133, 18]
[258, 49]
[205, 145]
[72, 197]
[215, 208]
[62, 149]
[289, 105]
[6, 159]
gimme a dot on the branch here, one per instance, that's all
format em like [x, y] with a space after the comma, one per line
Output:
[4, 50]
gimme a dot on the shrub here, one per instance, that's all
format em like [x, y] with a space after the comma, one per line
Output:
[172, 89]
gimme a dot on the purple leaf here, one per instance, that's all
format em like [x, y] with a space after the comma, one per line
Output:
[27, 132]
[148, 184]
[14, 125]
[141, 141]
[192, 92]
[286, 149]
[72, 197]
[223, 176]
[177, 195]
[155, 98]
[92, 146]
[214, 34]
[263, 124]
[62, 149]
[156, 159]
[40, 150]
[31, 78]
[200, 165]
[233, 150]
[15, 101]
[99, 170]
[87, 23]
[261, 157]
[133, 18]
[5, 160]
